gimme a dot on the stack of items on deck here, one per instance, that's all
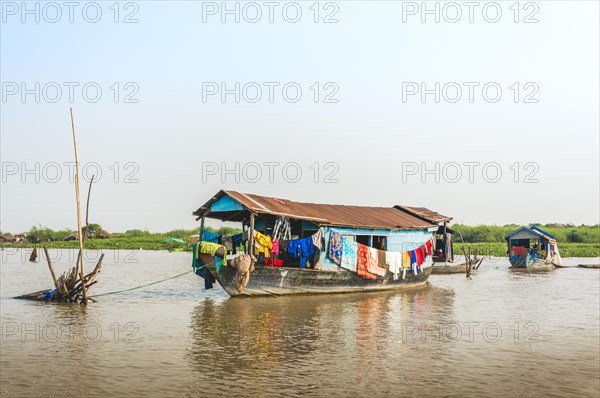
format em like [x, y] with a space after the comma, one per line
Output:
[369, 262]
[275, 251]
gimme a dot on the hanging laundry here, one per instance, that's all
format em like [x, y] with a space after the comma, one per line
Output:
[301, 248]
[237, 242]
[373, 262]
[335, 247]
[405, 260]
[428, 247]
[394, 260]
[419, 255]
[362, 260]
[349, 254]
[381, 259]
[211, 249]
[237, 239]
[413, 258]
[262, 244]
[275, 248]
[200, 268]
[208, 236]
[283, 247]
[317, 238]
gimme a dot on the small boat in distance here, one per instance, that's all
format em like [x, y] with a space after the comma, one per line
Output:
[532, 249]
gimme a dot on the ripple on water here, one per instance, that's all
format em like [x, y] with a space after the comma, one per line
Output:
[500, 333]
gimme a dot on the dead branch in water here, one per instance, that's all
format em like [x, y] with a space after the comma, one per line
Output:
[72, 286]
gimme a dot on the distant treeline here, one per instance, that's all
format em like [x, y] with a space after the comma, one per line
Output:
[564, 233]
[95, 231]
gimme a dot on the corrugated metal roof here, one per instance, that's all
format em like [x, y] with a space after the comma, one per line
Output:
[323, 214]
[535, 232]
[425, 214]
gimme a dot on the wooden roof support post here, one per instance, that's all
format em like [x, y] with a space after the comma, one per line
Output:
[201, 229]
[251, 235]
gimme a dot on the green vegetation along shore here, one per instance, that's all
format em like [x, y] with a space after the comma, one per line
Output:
[573, 241]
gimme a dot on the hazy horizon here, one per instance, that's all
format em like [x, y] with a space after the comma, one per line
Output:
[494, 121]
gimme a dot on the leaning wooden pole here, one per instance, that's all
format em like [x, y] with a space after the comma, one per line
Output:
[78, 196]
[87, 207]
[56, 285]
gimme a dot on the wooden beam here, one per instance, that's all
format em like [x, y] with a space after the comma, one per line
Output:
[251, 235]
[51, 268]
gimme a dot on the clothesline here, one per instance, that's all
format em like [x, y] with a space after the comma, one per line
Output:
[367, 262]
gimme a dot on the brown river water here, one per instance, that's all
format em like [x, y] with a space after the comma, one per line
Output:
[499, 334]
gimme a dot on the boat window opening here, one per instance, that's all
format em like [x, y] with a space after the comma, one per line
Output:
[364, 239]
[376, 241]
[379, 242]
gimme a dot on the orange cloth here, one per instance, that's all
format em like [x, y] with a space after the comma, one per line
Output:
[362, 268]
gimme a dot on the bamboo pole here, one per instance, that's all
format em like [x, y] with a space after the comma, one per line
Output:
[78, 196]
[50, 266]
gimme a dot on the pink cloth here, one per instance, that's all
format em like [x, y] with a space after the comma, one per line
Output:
[275, 248]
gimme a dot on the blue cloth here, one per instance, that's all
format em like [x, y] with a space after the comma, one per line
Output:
[237, 240]
[349, 254]
[208, 236]
[335, 247]
[49, 294]
[205, 274]
[413, 261]
[302, 248]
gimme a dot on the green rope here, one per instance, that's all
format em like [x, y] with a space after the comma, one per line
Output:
[153, 283]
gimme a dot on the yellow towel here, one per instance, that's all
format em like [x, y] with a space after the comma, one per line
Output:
[263, 243]
[405, 260]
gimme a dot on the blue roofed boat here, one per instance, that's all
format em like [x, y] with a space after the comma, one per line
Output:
[296, 247]
[532, 249]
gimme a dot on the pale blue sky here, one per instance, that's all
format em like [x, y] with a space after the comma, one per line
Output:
[368, 133]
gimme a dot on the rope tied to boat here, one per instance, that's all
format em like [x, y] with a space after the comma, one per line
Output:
[151, 283]
[243, 265]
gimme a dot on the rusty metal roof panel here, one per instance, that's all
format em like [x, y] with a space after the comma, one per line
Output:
[324, 214]
[424, 213]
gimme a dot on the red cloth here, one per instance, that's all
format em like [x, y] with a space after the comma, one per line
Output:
[424, 252]
[428, 247]
[419, 254]
[362, 267]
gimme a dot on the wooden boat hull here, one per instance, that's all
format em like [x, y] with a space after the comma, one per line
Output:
[445, 268]
[531, 264]
[589, 265]
[269, 281]
[450, 268]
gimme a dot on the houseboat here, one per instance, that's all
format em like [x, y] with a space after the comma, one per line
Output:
[287, 247]
[444, 260]
[532, 249]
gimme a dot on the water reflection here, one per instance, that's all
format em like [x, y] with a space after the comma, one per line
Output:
[250, 339]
